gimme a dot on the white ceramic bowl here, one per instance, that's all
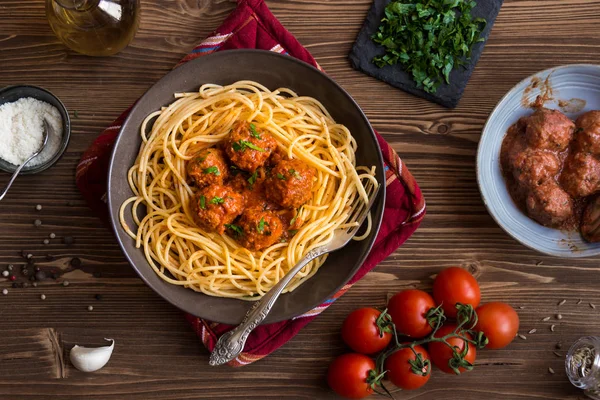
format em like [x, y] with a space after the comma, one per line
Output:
[578, 81]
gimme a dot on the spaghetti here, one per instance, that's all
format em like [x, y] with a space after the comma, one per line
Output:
[183, 253]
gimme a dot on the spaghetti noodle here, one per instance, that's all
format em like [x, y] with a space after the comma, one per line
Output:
[181, 252]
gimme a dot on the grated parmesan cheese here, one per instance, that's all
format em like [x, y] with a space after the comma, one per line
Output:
[21, 131]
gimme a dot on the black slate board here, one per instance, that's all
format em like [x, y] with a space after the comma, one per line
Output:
[365, 49]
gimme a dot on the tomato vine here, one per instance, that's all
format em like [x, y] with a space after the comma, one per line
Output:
[466, 320]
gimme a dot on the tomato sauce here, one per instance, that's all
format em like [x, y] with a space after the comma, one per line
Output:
[525, 193]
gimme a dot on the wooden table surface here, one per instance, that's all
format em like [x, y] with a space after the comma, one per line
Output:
[157, 355]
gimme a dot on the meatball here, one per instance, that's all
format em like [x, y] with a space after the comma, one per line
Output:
[290, 183]
[532, 167]
[549, 204]
[248, 148]
[252, 187]
[208, 167]
[549, 129]
[217, 205]
[590, 222]
[588, 132]
[581, 175]
[239, 183]
[258, 229]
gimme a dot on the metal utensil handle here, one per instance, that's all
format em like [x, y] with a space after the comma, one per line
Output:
[14, 175]
[45, 133]
[231, 344]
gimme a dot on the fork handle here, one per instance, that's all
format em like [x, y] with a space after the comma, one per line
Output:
[231, 344]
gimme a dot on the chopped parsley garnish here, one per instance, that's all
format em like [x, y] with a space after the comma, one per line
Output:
[293, 173]
[203, 157]
[252, 179]
[293, 232]
[217, 200]
[242, 145]
[212, 170]
[253, 131]
[281, 176]
[234, 170]
[236, 229]
[203, 202]
[261, 226]
[429, 39]
[293, 220]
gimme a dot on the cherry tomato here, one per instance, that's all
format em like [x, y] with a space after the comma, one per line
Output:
[440, 353]
[361, 333]
[399, 369]
[499, 322]
[348, 374]
[455, 285]
[408, 310]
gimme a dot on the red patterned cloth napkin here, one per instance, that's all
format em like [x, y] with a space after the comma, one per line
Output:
[251, 25]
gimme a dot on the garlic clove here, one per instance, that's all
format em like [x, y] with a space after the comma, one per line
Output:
[90, 359]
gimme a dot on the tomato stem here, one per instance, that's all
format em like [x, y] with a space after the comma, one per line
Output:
[466, 321]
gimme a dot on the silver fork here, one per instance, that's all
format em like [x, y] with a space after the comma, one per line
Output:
[48, 130]
[231, 344]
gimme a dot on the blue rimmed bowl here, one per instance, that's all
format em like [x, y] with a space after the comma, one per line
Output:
[575, 90]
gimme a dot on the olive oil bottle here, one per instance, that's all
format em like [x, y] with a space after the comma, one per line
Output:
[94, 27]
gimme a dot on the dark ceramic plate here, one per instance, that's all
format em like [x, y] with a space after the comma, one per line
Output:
[10, 94]
[274, 71]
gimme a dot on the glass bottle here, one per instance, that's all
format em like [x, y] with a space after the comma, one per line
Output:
[583, 365]
[94, 27]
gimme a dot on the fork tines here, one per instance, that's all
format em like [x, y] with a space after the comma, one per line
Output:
[359, 210]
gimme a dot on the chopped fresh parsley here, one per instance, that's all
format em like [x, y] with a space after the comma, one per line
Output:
[429, 39]
[234, 170]
[261, 226]
[203, 157]
[293, 220]
[237, 231]
[217, 200]
[293, 232]
[242, 145]
[203, 202]
[293, 173]
[281, 176]
[252, 179]
[254, 132]
[212, 170]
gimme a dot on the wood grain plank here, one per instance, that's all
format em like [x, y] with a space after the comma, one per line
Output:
[157, 356]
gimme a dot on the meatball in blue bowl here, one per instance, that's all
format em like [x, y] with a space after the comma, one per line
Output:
[538, 162]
